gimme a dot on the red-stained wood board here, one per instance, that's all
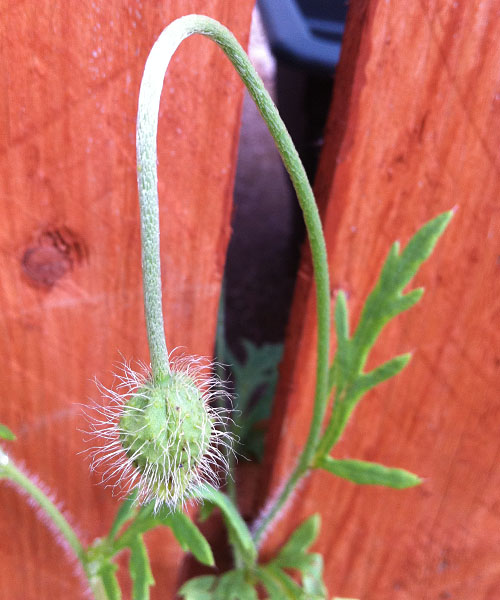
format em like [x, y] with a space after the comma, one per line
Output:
[414, 130]
[71, 290]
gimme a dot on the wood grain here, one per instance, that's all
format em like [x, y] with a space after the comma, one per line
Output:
[70, 290]
[414, 130]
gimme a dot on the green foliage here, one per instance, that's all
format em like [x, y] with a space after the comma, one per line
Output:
[279, 585]
[255, 381]
[384, 302]
[241, 584]
[187, 534]
[190, 537]
[294, 555]
[199, 588]
[229, 586]
[233, 586]
[125, 513]
[239, 534]
[109, 581]
[6, 433]
[367, 473]
[140, 570]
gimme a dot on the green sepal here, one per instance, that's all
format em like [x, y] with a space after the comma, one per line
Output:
[190, 538]
[233, 586]
[198, 588]
[6, 433]
[368, 473]
[125, 512]
[109, 581]
[140, 569]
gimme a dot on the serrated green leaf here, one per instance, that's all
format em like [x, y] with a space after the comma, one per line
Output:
[368, 473]
[6, 433]
[125, 512]
[237, 527]
[300, 540]
[387, 299]
[233, 586]
[190, 538]
[198, 588]
[384, 302]
[401, 268]
[109, 581]
[140, 570]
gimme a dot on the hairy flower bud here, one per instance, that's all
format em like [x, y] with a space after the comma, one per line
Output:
[164, 437]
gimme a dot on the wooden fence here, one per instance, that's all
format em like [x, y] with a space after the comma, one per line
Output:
[414, 130]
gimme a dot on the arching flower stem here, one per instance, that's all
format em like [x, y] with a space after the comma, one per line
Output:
[147, 125]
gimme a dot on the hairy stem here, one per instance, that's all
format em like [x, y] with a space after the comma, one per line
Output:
[147, 124]
[9, 470]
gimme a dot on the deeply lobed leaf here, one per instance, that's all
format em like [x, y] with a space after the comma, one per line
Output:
[384, 302]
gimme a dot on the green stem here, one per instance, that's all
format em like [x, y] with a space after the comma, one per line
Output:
[147, 124]
[9, 470]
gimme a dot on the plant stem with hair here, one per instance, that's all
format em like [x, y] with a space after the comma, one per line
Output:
[11, 472]
[147, 125]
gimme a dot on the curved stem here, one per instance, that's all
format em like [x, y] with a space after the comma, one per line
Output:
[9, 470]
[147, 124]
